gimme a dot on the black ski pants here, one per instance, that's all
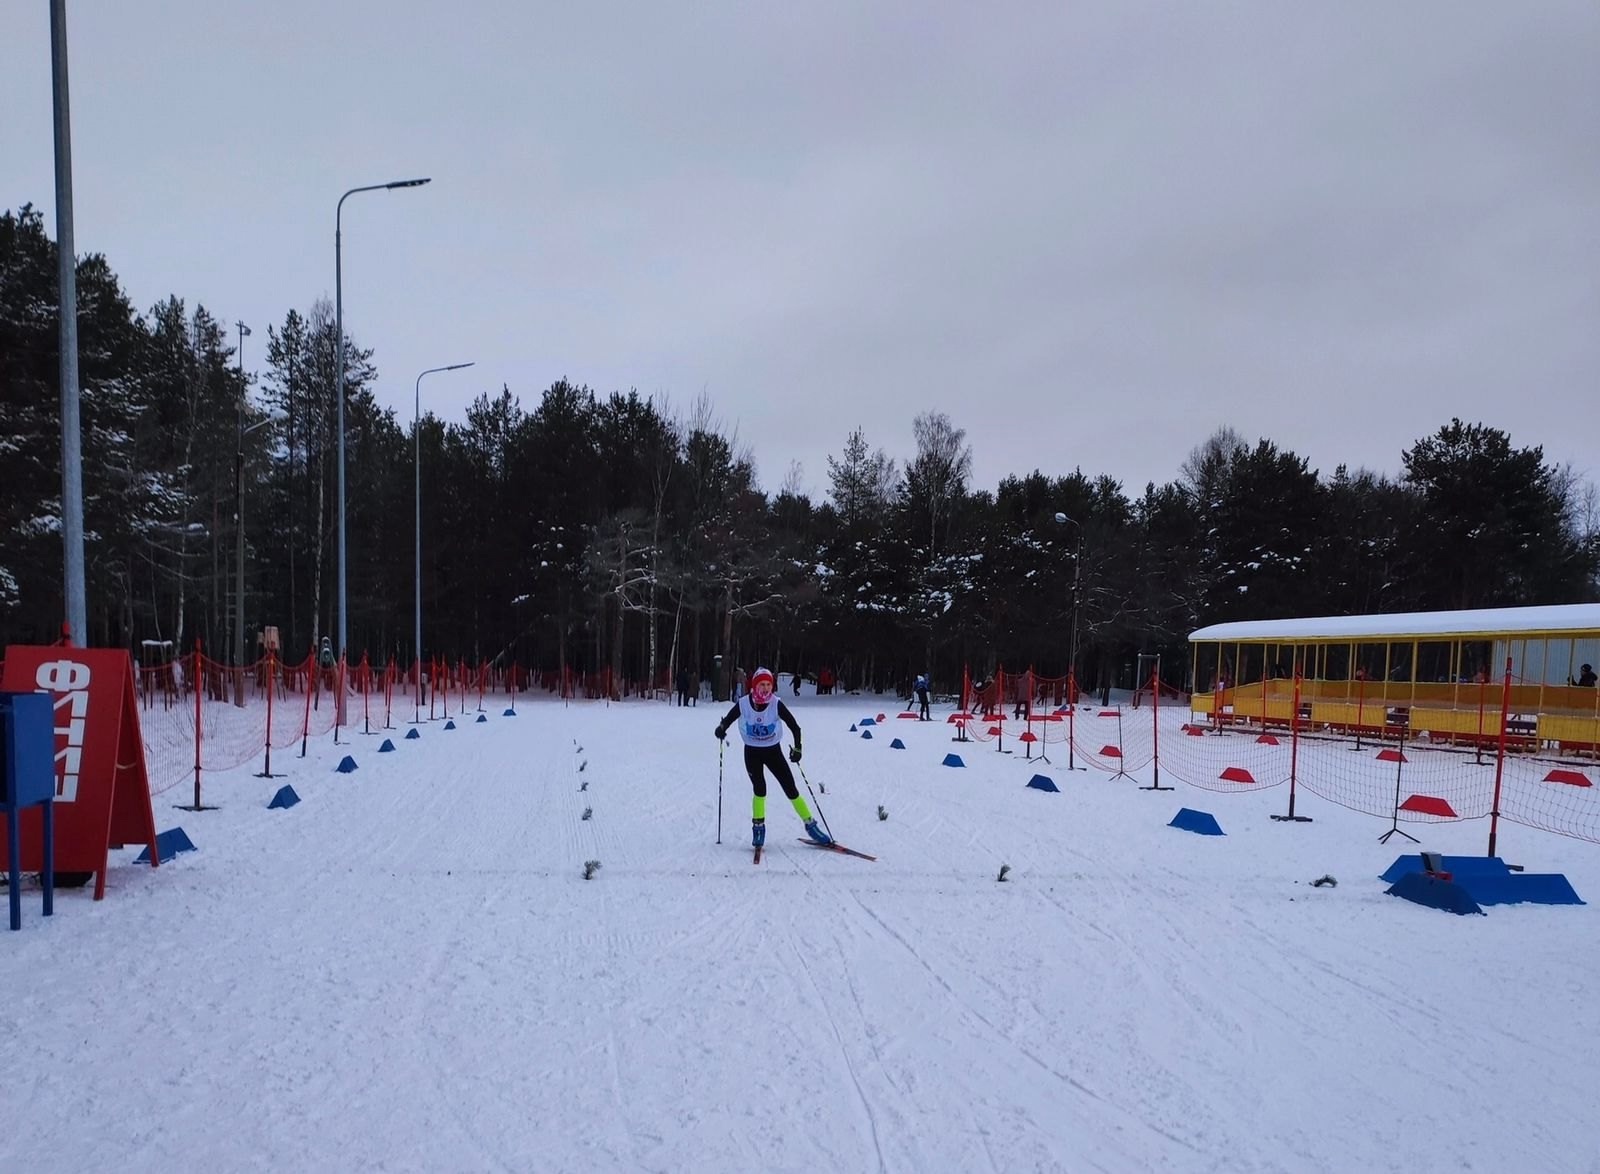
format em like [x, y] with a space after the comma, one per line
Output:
[770, 757]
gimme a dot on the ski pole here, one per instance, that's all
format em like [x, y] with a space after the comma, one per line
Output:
[721, 746]
[814, 802]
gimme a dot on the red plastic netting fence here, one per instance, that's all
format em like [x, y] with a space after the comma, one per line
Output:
[1393, 763]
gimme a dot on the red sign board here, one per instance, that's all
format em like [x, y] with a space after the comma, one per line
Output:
[102, 791]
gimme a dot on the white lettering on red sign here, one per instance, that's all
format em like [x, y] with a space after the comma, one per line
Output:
[69, 680]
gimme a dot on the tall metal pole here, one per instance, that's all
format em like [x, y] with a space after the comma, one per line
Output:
[416, 464]
[77, 609]
[338, 317]
[238, 511]
[1077, 597]
[416, 439]
[338, 314]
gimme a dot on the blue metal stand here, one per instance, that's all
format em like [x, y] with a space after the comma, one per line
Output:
[28, 779]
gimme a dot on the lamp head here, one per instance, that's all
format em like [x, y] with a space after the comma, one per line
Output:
[408, 183]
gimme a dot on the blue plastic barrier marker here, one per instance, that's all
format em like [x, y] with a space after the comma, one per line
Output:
[897, 744]
[1043, 783]
[953, 760]
[451, 724]
[346, 765]
[387, 747]
[1434, 892]
[1532, 888]
[285, 798]
[1202, 823]
[168, 844]
[868, 721]
[413, 734]
[866, 733]
[483, 717]
[509, 713]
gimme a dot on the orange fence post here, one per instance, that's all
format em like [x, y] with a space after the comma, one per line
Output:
[1155, 726]
[197, 720]
[1483, 687]
[338, 697]
[266, 767]
[1361, 704]
[313, 681]
[1294, 755]
[1500, 758]
[1072, 716]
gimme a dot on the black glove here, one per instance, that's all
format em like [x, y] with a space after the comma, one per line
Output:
[794, 753]
[722, 732]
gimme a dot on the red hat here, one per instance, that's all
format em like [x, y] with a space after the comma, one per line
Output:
[763, 675]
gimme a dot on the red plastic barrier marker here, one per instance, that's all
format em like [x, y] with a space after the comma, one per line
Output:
[1429, 805]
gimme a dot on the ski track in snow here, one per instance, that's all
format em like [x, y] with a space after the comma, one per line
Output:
[408, 972]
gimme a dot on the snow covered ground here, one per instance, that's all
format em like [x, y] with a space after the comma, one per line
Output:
[407, 971]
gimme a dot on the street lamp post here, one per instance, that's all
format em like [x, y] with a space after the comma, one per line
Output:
[338, 313]
[238, 521]
[73, 589]
[416, 437]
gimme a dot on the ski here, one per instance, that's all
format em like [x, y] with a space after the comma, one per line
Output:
[837, 848]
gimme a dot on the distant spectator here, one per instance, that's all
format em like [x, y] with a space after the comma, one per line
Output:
[683, 686]
[1585, 677]
[922, 698]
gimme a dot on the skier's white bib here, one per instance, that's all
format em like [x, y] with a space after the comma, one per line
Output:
[759, 727]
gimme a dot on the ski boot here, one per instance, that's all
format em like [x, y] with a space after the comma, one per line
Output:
[758, 833]
[818, 836]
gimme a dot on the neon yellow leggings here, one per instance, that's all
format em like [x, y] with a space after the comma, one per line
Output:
[758, 807]
[758, 760]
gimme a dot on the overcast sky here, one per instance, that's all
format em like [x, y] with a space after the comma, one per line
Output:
[1091, 233]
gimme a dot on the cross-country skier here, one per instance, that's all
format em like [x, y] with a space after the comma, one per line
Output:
[758, 713]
